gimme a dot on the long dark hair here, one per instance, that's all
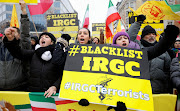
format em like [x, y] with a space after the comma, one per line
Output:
[89, 41]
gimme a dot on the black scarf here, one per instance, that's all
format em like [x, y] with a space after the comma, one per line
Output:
[147, 44]
[41, 50]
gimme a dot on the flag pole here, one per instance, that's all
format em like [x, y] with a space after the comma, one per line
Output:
[123, 24]
[34, 26]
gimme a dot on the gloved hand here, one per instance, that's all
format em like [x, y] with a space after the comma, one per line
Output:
[83, 102]
[171, 31]
[141, 18]
[120, 107]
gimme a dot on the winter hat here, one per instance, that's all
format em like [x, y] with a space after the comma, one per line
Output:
[35, 38]
[50, 35]
[67, 37]
[147, 29]
[119, 34]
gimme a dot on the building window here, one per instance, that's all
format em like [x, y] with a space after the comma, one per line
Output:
[9, 7]
[126, 13]
[3, 8]
[8, 16]
[127, 21]
[4, 17]
[0, 18]
[132, 5]
[57, 11]
[56, 4]
[127, 5]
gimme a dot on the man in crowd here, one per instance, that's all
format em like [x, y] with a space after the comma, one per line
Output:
[13, 72]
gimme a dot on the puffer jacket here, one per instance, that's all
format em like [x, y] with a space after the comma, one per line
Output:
[13, 72]
[159, 70]
[175, 73]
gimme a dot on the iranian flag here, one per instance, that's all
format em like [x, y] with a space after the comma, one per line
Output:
[40, 103]
[86, 18]
[112, 15]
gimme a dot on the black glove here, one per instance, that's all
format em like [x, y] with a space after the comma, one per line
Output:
[171, 30]
[141, 18]
[120, 107]
[83, 102]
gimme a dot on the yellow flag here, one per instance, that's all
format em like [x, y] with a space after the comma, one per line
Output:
[157, 10]
[14, 18]
[118, 29]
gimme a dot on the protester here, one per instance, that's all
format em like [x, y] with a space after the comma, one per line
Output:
[83, 36]
[34, 41]
[96, 40]
[47, 62]
[64, 41]
[122, 39]
[13, 72]
[159, 60]
[176, 46]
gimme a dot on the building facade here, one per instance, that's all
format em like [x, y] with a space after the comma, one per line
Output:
[59, 6]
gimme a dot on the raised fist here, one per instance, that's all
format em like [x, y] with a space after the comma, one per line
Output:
[11, 33]
[141, 18]
[23, 6]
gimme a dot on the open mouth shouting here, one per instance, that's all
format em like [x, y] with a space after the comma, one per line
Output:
[124, 45]
[82, 41]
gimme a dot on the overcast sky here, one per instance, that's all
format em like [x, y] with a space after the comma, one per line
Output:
[97, 9]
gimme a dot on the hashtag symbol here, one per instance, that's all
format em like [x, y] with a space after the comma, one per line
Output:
[74, 50]
[67, 85]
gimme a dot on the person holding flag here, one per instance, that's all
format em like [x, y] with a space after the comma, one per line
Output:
[14, 73]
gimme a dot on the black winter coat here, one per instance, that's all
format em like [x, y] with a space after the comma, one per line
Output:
[43, 74]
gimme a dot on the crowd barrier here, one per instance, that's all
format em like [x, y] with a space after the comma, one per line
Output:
[33, 101]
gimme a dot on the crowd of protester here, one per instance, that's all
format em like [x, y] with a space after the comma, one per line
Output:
[36, 64]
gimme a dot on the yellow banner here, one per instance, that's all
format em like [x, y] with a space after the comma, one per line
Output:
[88, 85]
[14, 18]
[157, 10]
[59, 24]
[17, 1]
[104, 75]
[21, 101]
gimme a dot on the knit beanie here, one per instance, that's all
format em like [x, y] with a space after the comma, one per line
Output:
[67, 37]
[147, 29]
[50, 35]
[119, 34]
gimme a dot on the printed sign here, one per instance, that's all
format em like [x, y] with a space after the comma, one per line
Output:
[96, 29]
[59, 24]
[17, 1]
[104, 75]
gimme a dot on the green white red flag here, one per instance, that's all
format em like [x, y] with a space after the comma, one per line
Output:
[86, 18]
[112, 15]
